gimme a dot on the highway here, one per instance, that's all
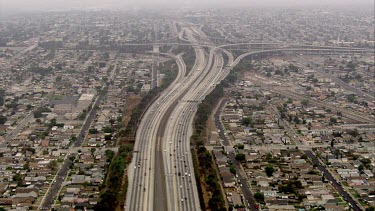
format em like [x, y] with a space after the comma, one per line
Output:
[140, 193]
[162, 172]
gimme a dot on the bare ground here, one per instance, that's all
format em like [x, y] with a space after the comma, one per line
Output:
[131, 103]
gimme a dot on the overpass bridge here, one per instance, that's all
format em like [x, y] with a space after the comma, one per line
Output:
[261, 48]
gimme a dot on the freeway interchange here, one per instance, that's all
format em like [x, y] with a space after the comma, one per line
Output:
[161, 174]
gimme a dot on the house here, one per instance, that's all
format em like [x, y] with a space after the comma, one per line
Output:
[228, 179]
[236, 199]
[281, 208]
[6, 201]
[25, 197]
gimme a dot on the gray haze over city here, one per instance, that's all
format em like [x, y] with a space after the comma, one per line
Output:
[187, 105]
[29, 5]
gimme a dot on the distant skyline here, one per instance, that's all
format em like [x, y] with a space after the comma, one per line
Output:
[45, 5]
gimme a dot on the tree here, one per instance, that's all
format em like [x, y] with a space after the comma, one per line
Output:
[269, 157]
[246, 121]
[297, 120]
[269, 170]
[361, 167]
[3, 119]
[351, 65]
[82, 115]
[351, 98]
[239, 146]
[58, 78]
[240, 157]
[333, 120]
[93, 131]
[108, 130]
[26, 166]
[37, 114]
[85, 184]
[353, 133]
[232, 169]
[18, 178]
[109, 154]
[278, 72]
[73, 138]
[259, 196]
[52, 165]
[112, 121]
[370, 208]
[108, 137]
[305, 102]
[52, 123]
[366, 161]
[92, 151]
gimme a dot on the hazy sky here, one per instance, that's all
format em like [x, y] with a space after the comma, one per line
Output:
[22, 5]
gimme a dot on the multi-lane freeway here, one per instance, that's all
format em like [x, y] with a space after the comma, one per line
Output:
[162, 172]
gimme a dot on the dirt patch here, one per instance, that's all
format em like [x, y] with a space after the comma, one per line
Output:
[131, 103]
[210, 127]
[206, 195]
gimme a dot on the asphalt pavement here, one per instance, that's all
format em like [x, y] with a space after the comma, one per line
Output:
[241, 176]
[62, 173]
[89, 120]
[56, 184]
[334, 183]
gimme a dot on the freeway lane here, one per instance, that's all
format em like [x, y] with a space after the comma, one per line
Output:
[171, 187]
[152, 133]
[176, 149]
[145, 158]
[212, 75]
[163, 177]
